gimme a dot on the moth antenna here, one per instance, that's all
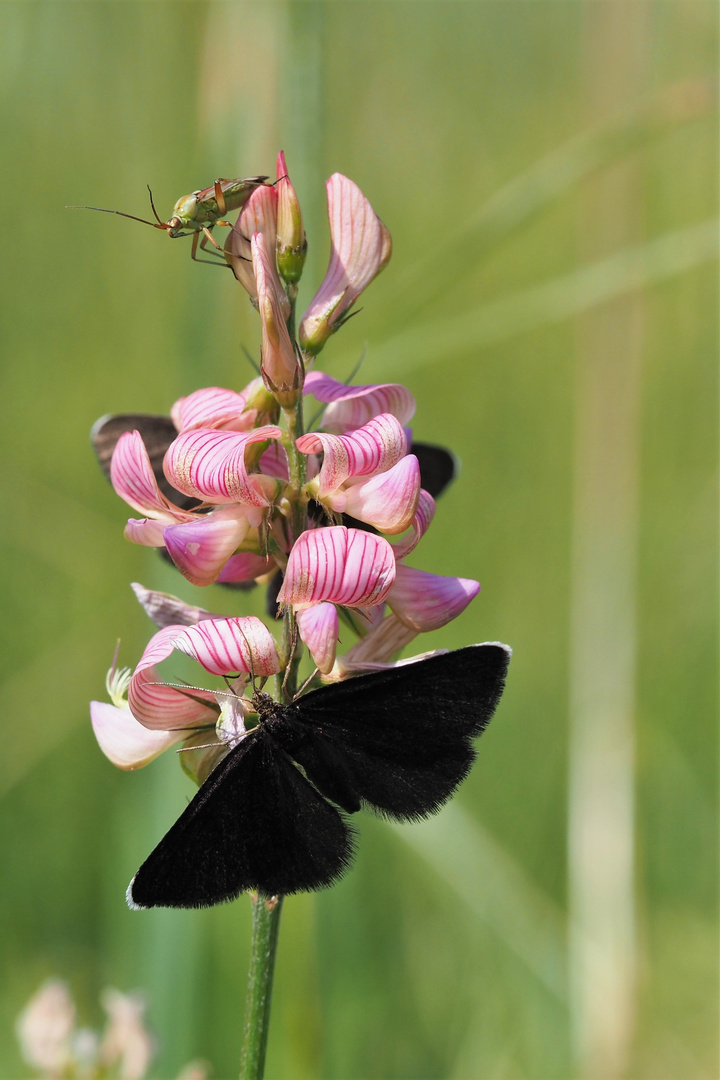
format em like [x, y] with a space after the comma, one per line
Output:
[293, 646]
[152, 204]
[201, 746]
[285, 177]
[306, 683]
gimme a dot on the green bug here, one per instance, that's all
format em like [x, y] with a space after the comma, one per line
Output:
[199, 212]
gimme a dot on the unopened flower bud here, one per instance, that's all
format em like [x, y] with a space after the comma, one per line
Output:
[291, 239]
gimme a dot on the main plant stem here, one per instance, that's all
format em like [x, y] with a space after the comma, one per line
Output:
[263, 946]
[266, 913]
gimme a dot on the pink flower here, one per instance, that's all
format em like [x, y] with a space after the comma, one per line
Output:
[199, 545]
[211, 465]
[158, 715]
[367, 474]
[334, 566]
[361, 247]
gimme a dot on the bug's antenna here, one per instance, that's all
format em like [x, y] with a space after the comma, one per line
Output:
[159, 220]
[120, 213]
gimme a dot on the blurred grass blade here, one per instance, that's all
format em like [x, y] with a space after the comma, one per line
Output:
[496, 889]
[525, 196]
[632, 268]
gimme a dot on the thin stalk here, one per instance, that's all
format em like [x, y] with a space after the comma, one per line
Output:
[263, 947]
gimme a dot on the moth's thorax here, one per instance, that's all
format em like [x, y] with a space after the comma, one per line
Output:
[265, 706]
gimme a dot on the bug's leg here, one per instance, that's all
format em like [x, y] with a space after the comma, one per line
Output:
[220, 197]
[203, 247]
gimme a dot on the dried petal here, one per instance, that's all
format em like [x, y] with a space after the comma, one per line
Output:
[166, 610]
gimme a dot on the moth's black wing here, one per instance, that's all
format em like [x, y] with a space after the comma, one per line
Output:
[256, 823]
[399, 740]
[157, 433]
[438, 467]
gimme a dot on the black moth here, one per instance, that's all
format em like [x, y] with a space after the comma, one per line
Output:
[271, 816]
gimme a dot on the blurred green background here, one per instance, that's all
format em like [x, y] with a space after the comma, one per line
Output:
[549, 175]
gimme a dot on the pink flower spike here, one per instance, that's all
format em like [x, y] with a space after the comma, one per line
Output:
[418, 527]
[360, 248]
[318, 628]
[162, 707]
[350, 407]
[223, 646]
[280, 367]
[132, 477]
[373, 448]
[426, 601]
[126, 742]
[345, 566]
[387, 501]
[291, 240]
[201, 547]
[258, 215]
[210, 465]
[211, 407]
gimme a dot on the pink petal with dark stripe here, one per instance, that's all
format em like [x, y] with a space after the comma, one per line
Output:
[162, 707]
[345, 566]
[426, 601]
[210, 465]
[201, 547]
[318, 628]
[387, 501]
[211, 407]
[421, 522]
[223, 646]
[245, 566]
[374, 447]
[132, 477]
[350, 407]
[361, 247]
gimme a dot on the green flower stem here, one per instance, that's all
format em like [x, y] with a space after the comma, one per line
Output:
[263, 946]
